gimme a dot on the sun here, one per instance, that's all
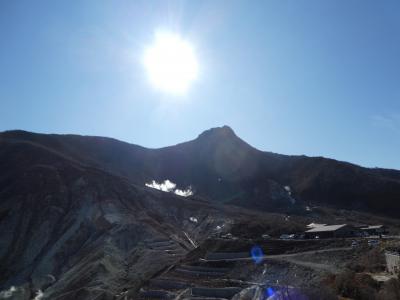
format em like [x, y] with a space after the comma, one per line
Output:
[171, 63]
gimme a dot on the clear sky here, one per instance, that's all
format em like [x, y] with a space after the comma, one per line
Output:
[320, 78]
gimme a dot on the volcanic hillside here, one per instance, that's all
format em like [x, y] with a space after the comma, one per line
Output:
[221, 167]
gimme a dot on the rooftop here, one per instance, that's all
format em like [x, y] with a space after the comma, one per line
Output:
[373, 227]
[313, 225]
[323, 228]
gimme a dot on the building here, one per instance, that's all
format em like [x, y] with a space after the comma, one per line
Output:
[313, 225]
[330, 231]
[393, 261]
[374, 230]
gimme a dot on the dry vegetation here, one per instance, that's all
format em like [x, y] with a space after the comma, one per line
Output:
[356, 283]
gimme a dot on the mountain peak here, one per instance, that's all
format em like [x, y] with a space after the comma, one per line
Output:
[220, 132]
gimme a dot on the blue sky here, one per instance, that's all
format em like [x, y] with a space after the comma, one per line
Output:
[320, 78]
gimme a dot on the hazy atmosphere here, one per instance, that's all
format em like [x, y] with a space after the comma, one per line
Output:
[319, 78]
[200, 150]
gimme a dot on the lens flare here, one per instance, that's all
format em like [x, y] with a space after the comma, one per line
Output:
[269, 292]
[257, 254]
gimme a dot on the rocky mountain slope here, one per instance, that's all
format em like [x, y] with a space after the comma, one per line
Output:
[77, 232]
[221, 167]
[78, 222]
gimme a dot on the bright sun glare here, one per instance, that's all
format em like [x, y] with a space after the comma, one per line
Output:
[171, 63]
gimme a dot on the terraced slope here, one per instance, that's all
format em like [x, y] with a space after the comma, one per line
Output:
[215, 275]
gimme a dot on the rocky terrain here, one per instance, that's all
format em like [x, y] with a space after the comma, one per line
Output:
[221, 167]
[77, 220]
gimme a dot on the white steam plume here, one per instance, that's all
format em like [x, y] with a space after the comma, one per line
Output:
[168, 186]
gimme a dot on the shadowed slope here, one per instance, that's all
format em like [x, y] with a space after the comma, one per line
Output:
[223, 168]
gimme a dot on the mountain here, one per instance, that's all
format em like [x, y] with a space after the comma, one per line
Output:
[79, 232]
[222, 168]
[78, 222]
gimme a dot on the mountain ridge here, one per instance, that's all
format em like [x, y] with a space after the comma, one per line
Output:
[20, 132]
[221, 167]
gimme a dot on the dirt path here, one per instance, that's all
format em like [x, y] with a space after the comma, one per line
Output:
[280, 256]
[291, 258]
[308, 252]
[311, 265]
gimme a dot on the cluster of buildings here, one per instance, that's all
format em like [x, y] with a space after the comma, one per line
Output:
[392, 256]
[316, 231]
